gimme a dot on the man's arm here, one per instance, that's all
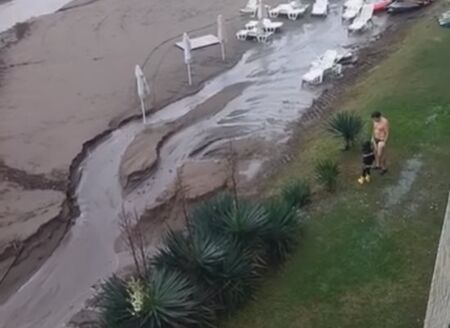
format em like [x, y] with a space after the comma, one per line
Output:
[386, 131]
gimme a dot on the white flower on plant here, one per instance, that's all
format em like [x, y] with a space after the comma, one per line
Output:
[137, 292]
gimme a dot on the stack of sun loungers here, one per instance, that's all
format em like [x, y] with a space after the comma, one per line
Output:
[267, 25]
[320, 8]
[325, 65]
[352, 9]
[250, 8]
[260, 29]
[362, 21]
[292, 10]
[257, 33]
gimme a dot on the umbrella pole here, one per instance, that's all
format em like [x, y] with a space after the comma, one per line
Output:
[143, 111]
[189, 74]
[222, 48]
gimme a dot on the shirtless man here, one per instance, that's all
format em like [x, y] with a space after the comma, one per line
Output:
[380, 137]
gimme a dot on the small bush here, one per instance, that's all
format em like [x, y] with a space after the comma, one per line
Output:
[345, 125]
[296, 193]
[283, 231]
[166, 299]
[225, 272]
[211, 268]
[327, 172]
[243, 224]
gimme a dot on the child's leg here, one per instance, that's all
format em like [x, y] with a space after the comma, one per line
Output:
[365, 171]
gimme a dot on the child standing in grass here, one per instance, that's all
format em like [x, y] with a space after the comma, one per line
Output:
[368, 157]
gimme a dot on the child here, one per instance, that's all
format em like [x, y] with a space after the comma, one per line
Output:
[368, 157]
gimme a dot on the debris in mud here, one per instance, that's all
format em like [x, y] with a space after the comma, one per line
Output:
[30, 181]
[21, 29]
[444, 19]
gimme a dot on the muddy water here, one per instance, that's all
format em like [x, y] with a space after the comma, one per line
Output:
[18, 11]
[272, 99]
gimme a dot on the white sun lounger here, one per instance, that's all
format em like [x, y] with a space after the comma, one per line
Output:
[248, 34]
[325, 65]
[250, 8]
[320, 8]
[352, 9]
[362, 20]
[292, 10]
[268, 25]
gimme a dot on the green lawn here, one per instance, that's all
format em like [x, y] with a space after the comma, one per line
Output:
[367, 253]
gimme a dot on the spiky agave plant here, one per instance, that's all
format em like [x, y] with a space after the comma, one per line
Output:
[236, 278]
[196, 255]
[345, 125]
[327, 172]
[296, 193]
[243, 224]
[115, 306]
[166, 299]
[225, 272]
[283, 233]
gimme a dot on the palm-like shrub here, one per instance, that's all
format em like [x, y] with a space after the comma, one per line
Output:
[243, 224]
[197, 256]
[283, 231]
[226, 273]
[296, 193]
[165, 299]
[115, 304]
[345, 125]
[327, 172]
[214, 266]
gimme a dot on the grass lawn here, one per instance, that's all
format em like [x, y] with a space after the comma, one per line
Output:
[368, 252]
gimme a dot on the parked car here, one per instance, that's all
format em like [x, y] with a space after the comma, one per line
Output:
[401, 6]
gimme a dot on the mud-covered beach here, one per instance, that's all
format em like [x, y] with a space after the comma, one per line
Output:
[74, 152]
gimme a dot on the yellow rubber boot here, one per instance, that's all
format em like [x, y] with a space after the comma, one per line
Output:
[361, 180]
[367, 178]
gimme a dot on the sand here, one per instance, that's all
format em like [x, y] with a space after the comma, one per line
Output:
[71, 77]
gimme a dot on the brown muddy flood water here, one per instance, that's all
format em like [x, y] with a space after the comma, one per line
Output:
[271, 99]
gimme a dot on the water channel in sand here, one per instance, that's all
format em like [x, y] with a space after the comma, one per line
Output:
[19, 11]
[272, 99]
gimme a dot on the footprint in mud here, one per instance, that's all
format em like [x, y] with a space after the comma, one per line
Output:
[394, 194]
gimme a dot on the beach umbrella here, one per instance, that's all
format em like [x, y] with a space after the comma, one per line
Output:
[260, 16]
[143, 89]
[221, 34]
[187, 55]
[260, 10]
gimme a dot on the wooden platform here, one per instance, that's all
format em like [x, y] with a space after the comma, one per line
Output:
[438, 309]
[200, 42]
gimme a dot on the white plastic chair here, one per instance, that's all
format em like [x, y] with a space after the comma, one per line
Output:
[250, 8]
[292, 10]
[320, 8]
[352, 9]
[326, 64]
[361, 22]
[268, 25]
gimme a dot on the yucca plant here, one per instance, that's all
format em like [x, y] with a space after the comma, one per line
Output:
[115, 306]
[244, 224]
[165, 299]
[345, 125]
[327, 172]
[226, 273]
[296, 193]
[283, 231]
[197, 255]
[236, 278]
